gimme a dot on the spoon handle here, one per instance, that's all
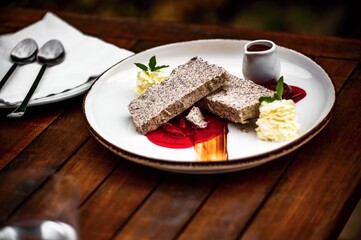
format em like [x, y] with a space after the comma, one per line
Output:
[20, 110]
[8, 74]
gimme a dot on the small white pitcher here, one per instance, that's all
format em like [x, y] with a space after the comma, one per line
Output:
[261, 62]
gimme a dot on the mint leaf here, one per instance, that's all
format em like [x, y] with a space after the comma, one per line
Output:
[152, 63]
[160, 67]
[141, 66]
[279, 88]
[267, 99]
[278, 94]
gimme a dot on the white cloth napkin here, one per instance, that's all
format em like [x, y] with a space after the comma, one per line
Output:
[85, 57]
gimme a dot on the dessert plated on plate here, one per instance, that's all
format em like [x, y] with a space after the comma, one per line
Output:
[199, 87]
[196, 86]
[183, 142]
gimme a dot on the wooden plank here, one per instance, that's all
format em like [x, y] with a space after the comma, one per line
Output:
[339, 70]
[144, 45]
[131, 28]
[16, 186]
[234, 202]
[16, 134]
[170, 207]
[328, 160]
[50, 149]
[119, 196]
[24, 18]
[87, 169]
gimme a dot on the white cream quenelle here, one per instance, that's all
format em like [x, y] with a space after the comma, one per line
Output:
[277, 121]
[146, 79]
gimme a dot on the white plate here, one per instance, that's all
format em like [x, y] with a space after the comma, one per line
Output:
[67, 94]
[105, 108]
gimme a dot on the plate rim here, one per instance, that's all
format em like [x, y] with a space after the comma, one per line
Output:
[53, 98]
[211, 166]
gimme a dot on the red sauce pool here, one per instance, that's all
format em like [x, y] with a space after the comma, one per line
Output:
[179, 133]
[289, 92]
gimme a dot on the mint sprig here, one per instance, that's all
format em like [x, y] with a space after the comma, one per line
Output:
[152, 65]
[278, 94]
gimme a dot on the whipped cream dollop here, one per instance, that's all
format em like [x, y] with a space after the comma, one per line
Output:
[146, 79]
[277, 121]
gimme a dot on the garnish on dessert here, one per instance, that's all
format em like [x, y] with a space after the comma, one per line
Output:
[149, 75]
[278, 118]
[278, 94]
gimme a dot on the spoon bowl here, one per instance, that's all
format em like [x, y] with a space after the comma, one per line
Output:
[23, 53]
[51, 53]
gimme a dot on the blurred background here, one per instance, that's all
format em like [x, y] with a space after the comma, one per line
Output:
[316, 17]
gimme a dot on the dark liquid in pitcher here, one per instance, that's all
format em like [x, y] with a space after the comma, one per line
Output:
[258, 48]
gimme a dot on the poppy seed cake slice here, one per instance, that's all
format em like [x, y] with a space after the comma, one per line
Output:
[187, 84]
[237, 101]
[195, 116]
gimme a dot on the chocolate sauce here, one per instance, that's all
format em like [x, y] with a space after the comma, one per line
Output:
[258, 48]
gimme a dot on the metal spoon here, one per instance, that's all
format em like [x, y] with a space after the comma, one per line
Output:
[24, 52]
[51, 53]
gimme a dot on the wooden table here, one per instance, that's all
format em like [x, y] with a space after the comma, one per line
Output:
[308, 194]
